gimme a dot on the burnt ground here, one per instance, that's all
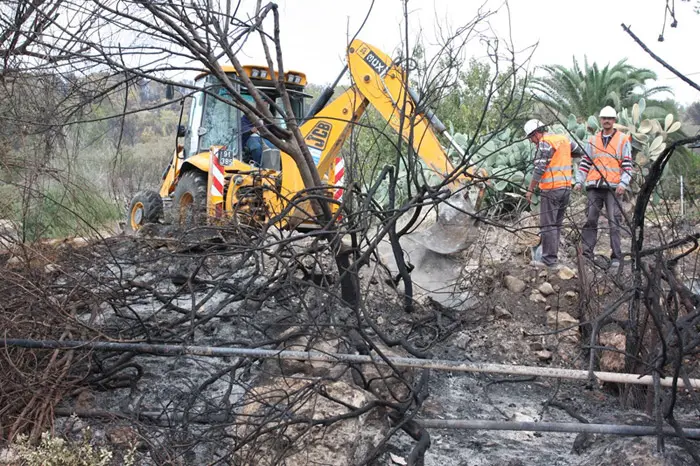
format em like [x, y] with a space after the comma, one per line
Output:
[515, 340]
[519, 337]
[129, 278]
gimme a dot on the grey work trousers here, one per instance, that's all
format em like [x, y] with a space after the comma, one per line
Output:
[553, 205]
[596, 198]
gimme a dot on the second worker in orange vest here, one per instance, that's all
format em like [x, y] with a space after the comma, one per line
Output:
[606, 170]
[553, 176]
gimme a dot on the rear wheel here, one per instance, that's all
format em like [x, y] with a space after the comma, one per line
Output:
[145, 207]
[190, 198]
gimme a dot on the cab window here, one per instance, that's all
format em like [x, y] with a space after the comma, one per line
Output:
[220, 121]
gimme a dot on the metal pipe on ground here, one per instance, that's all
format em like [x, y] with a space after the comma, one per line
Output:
[456, 424]
[317, 356]
[564, 427]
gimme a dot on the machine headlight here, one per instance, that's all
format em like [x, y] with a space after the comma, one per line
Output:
[255, 73]
[263, 74]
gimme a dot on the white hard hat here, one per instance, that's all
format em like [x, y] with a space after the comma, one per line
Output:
[532, 125]
[608, 112]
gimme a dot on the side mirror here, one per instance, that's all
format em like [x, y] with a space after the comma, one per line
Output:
[181, 131]
[169, 91]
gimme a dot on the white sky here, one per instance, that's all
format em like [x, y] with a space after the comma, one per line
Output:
[314, 32]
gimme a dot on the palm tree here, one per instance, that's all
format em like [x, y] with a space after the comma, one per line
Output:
[584, 91]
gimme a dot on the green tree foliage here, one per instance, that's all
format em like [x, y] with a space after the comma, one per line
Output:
[315, 90]
[474, 104]
[692, 113]
[585, 90]
[480, 102]
[508, 163]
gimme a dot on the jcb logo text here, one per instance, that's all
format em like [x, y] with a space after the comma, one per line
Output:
[319, 135]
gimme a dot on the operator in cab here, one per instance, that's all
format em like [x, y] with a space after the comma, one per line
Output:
[251, 142]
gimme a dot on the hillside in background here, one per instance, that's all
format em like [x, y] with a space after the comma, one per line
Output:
[73, 160]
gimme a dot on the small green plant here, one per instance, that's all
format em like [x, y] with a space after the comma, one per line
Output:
[56, 451]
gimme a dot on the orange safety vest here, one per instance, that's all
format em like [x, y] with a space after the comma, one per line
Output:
[607, 161]
[557, 175]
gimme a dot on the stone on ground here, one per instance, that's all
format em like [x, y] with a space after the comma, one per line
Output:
[565, 273]
[347, 442]
[546, 289]
[536, 297]
[513, 284]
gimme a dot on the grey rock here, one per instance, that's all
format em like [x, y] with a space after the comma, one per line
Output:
[536, 346]
[462, 340]
[565, 273]
[546, 289]
[536, 297]
[514, 284]
[560, 319]
[502, 313]
[347, 441]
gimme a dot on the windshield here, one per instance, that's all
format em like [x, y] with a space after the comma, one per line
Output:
[272, 96]
[297, 108]
[219, 121]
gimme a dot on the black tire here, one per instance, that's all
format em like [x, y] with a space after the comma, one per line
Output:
[145, 207]
[190, 199]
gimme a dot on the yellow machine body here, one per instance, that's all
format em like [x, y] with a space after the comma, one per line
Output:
[376, 81]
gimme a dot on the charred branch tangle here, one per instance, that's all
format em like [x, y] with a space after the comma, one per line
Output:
[277, 345]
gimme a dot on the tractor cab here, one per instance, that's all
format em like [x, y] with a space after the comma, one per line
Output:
[192, 182]
[213, 121]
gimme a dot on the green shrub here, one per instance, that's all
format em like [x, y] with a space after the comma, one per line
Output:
[62, 211]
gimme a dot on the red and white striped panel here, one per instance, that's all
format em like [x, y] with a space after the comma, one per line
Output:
[217, 178]
[339, 178]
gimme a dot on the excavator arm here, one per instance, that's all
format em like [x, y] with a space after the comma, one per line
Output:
[381, 83]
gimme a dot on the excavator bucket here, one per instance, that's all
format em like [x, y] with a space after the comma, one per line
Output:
[454, 229]
[435, 272]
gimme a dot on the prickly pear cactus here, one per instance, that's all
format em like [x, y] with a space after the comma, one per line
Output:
[507, 162]
[648, 135]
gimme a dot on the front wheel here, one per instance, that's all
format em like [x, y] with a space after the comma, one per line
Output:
[145, 207]
[190, 198]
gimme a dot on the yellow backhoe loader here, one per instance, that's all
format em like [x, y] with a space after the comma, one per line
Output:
[215, 126]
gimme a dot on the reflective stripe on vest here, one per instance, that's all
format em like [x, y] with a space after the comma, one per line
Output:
[557, 175]
[607, 160]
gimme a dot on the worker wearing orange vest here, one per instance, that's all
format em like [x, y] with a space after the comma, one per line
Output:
[553, 176]
[606, 170]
